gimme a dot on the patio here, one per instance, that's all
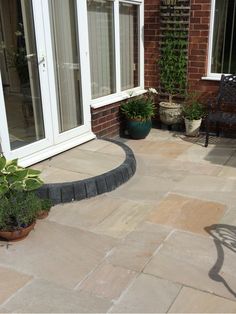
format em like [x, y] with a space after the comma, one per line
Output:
[162, 242]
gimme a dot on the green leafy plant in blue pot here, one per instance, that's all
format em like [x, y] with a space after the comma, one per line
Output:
[138, 112]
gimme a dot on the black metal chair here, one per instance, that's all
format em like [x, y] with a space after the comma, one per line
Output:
[226, 97]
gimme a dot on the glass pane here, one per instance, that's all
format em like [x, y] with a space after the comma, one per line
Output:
[101, 46]
[129, 45]
[224, 37]
[19, 70]
[66, 58]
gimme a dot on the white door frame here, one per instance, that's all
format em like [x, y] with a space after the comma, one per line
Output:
[54, 142]
[85, 80]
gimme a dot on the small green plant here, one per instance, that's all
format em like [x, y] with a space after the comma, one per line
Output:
[193, 109]
[19, 210]
[46, 205]
[138, 109]
[16, 178]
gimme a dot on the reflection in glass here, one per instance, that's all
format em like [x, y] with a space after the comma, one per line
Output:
[224, 37]
[66, 55]
[19, 71]
[129, 45]
[101, 47]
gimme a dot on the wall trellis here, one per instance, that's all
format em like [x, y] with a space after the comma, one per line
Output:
[174, 34]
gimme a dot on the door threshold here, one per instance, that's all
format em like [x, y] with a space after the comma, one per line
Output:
[55, 149]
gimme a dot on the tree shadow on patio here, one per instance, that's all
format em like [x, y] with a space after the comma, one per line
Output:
[223, 236]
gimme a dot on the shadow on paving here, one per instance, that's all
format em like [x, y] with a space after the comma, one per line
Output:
[223, 236]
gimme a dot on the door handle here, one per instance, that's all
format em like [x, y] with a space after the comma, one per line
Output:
[31, 55]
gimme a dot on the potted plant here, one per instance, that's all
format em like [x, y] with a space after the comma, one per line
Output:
[193, 112]
[18, 203]
[18, 213]
[45, 207]
[138, 113]
[173, 69]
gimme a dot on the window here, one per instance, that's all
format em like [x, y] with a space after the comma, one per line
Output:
[129, 46]
[102, 47]
[223, 41]
[115, 46]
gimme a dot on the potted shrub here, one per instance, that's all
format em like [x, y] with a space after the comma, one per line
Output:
[45, 207]
[173, 69]
[193, 112]
[18, 204]
[18, 213]
[138, 113]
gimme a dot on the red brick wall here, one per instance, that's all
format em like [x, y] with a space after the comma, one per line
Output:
[198, 47]
[106, 120]
[151, 42]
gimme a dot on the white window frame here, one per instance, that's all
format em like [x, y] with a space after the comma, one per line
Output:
[211, 75]
[121, 95]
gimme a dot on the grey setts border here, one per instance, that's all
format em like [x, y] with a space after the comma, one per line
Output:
[78, 190]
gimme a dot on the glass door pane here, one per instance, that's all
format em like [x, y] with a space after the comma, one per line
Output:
[63, 14]
[20, 75]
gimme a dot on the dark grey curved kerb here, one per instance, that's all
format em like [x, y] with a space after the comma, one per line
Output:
[78, 190]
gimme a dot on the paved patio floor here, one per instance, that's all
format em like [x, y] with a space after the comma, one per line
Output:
[163, 242]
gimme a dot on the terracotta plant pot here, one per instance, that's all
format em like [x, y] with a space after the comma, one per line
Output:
[192, 127]
[170, 113]
[42, 214]
[17, 235]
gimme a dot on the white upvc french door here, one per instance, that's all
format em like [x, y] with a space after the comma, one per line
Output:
[53, 102]
[61, 41]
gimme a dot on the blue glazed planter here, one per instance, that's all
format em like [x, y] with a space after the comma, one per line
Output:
[139, 129]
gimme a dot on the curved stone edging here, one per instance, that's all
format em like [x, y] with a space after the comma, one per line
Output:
[78, 190]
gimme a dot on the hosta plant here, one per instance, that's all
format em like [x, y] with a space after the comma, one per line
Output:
[15, 178]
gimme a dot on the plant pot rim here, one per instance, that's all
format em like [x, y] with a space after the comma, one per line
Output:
[18, 234]
[192, 119]
[169, 105]
[139, 120]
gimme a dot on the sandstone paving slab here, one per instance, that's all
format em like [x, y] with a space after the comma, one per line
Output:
[145, 188]
[147, 295]
[210, 188]
[124, 220]
[190, 259]
[229, 169]
[229, 217]
[3, 310]
[87, 162]
[45, 297]
[112, 149]
[138, 247]
[152, 166]
[209, 155]
[108, 281]
[57, 253]
[187, 213]
[85, 214]
[52, 174]
[194, 301]
[165, 149]
[95, 145]
[10, 282]
[206, 183]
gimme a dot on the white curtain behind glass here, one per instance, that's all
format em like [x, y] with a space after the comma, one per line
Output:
[101, 46]
[64, 19]
[128, 45]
